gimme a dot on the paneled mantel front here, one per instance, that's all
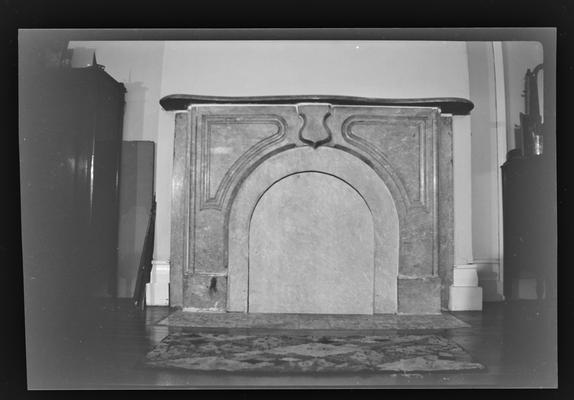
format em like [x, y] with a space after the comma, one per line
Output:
[312, 204]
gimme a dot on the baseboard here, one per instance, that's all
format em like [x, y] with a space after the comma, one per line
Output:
[157, 290]
[465, 294]
[483, 273]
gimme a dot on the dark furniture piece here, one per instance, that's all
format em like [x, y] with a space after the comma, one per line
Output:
[529, 201]
[529, 237]
[70, 146]
[70, 133]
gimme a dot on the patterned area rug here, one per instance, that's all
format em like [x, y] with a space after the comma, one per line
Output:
[267, 353]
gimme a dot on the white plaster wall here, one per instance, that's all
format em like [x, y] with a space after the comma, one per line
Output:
[394, 69]
[485, 168]
[484, 152]
[518, 57]
[361, 68]
[462, 177]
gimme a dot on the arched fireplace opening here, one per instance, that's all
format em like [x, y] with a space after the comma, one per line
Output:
[311, 248]
[310, 269]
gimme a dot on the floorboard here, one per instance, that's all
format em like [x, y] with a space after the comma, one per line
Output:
[103, 349]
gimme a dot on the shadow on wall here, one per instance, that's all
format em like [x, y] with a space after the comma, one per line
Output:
[134, 110]
[136, 197]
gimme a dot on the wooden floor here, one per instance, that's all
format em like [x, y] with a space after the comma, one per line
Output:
[103, 345]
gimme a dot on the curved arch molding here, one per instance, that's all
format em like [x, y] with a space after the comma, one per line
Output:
[333, 162]
[225, 155]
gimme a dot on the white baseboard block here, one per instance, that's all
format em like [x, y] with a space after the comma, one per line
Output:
[465, 277]
[464, 293]
[157, 290]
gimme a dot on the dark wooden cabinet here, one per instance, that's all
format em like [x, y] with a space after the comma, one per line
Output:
[529, 209]
[70, 146]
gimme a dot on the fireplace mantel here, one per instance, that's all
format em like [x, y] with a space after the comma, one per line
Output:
[447, 105]
[312, 204]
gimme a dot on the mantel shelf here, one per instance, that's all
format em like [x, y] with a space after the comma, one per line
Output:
[449, 105]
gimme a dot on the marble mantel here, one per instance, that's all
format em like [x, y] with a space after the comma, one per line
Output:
[312, 204]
